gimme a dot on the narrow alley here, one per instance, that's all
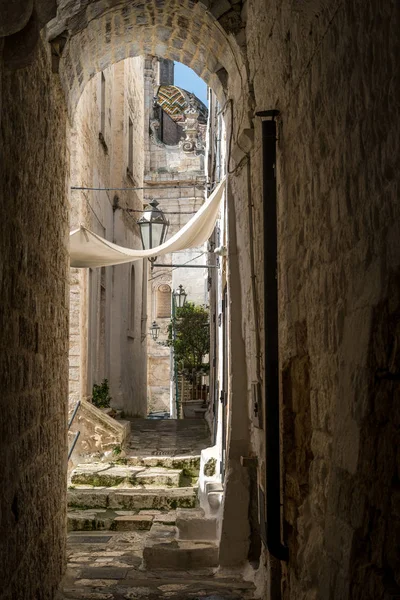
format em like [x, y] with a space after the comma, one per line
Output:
[107, 566]
[135, 527]
[200, 307]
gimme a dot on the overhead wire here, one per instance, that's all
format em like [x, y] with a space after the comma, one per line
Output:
[166, 212]
[127, 189]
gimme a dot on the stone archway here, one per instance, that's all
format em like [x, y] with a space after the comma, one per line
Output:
[88, 39]
[85, 41]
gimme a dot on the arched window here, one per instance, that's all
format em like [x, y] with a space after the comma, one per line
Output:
[163, 301]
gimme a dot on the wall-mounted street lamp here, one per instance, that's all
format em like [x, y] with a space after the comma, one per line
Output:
[154, 331]
[179, 296]
[153, 226]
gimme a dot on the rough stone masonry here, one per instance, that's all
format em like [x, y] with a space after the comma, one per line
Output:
[331, 69]
[34, 329]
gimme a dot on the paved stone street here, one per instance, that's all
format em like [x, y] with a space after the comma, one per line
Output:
[108, 566]
[128, 519]
[168, 437]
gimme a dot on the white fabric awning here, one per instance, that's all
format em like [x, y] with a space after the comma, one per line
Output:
[87, 249]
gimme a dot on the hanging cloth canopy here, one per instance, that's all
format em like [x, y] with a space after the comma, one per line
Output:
[87, 249]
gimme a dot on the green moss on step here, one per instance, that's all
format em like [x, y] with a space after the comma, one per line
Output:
[97, 479]
[209, 467]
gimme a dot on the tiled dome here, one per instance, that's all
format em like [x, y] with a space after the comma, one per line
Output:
[174, 101]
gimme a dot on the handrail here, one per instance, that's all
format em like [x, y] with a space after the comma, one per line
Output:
[74, 414]
[78, 433]
[70, 451]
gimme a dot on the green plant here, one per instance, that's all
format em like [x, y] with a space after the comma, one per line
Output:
[101, 394]
[192, 337]
[117, 450]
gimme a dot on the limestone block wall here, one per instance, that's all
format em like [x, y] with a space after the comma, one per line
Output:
[34, 329]
[194, 33]
[133, 70]
[128, 360]
[172, 159]
[128, 329]
[194, 280]
[331, 69]
[109, 319]
[90, 167]
[159, 363]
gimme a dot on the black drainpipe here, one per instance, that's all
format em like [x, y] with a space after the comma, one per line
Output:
[271, 345]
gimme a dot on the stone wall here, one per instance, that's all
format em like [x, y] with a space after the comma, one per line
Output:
[34, 330]
[175, 162]
[108, 310]
[192, 32]
[331, 69]
[129, 356]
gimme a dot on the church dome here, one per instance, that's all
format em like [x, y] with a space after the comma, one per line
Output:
[174, 101]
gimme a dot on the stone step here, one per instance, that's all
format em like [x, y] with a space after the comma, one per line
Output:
[133, 499]
[189, 465]
[118, 520]
[163, 550]
[193, 525]
[111, 475]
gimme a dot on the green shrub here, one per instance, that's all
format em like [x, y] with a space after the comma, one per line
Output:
[189, 336]
[101, 394]
[117, 450]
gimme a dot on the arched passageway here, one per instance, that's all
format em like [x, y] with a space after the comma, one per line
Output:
[331, 69]
[98, 35]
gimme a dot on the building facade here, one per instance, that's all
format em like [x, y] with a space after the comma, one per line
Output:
[174, 175]
[108, 306]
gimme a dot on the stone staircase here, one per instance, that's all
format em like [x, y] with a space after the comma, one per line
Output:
[100, 491]
[154, 494]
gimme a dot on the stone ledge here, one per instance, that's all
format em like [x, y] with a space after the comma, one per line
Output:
[163, 550]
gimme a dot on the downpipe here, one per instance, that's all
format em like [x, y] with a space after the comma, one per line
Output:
[271, 345]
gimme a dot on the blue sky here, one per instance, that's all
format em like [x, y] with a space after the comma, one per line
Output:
[188, 80]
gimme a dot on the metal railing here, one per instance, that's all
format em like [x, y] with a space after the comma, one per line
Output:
[74, 414]
[78, 433]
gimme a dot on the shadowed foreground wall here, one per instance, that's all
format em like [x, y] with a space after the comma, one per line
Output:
[331, 68]
[34, 332]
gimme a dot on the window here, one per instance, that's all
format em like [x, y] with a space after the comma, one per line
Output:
[163, 301]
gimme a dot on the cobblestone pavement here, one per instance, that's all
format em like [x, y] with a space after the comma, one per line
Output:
[168, 437]
[107, 566]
